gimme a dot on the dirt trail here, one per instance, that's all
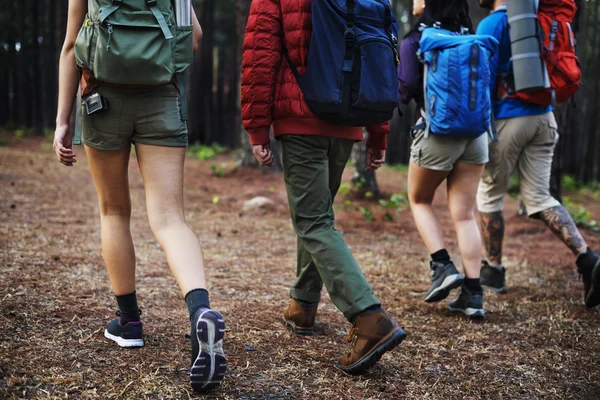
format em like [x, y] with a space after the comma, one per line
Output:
[538, 341]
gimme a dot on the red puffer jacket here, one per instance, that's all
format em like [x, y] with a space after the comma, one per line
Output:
[270, 93]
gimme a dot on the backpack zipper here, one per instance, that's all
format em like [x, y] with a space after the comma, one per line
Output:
[110, 32]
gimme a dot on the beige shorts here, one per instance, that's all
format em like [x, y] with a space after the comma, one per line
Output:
[441, 153]
[526, 144]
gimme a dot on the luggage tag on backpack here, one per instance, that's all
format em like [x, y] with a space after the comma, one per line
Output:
[94, 103]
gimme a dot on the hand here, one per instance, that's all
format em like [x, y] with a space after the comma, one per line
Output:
[63, 145]
[264, 155]
[375, 159]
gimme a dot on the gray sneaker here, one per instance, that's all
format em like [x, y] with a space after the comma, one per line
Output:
[468, 303]
[493, 278]
[444, 278]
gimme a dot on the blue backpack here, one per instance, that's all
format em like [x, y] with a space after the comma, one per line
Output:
[351, 76]
[457, 82]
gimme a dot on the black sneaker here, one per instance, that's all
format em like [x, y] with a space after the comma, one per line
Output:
[128, 335]
[468, 303]
[588, 265]
[208, 359]
[444, 278]
[493, 278]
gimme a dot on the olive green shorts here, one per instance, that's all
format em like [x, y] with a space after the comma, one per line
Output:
[148, 116]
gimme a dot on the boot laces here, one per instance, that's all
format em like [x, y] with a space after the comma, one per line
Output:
[352, 335]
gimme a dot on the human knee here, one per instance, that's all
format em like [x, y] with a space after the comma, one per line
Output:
[417, 196]
[115, 209]
[160, 221]
[461, 213]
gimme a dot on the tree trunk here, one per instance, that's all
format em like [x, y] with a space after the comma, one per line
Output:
[363, 181]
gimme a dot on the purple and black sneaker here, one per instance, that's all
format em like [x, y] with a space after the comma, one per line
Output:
[208, 359]
[128, 335]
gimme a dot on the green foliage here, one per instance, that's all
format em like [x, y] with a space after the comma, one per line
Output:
[580, 215]
[219, 172]
[571, 184]
[204, 153]
[513, 186]
[367, 213]
[344, 189]
[397, 202]
[3, 142]
[19, 134]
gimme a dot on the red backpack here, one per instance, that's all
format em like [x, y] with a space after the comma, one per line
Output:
[555, 18]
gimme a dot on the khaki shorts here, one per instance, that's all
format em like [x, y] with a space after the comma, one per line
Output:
[526, 144]
[441, 153]
[148, 116]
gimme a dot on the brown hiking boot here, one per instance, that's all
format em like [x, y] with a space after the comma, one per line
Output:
[371, 335]
[300, 319]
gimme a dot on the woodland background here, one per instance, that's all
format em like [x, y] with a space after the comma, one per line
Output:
[32, 31]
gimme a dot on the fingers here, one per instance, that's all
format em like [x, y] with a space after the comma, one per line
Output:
[65, 156]
[374, 159]
[264, 155]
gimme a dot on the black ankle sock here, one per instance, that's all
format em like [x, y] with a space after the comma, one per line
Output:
[196, 299]
[306, 303]
[474, 285]
[441, 256]
[128, 308]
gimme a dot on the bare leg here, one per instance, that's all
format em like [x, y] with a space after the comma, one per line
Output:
[560, 222]
[422, 184]
[462, 190]
[162, 171]
[109, 171]
[492, 228]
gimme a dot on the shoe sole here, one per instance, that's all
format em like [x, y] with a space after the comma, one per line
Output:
[501, 290]
[124, 342]
[441, 292]
[593, 298]
[370, 359]
[208, 370]
[297, 330]
[474, 313]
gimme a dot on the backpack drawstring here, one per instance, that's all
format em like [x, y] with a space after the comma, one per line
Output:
[110, 32]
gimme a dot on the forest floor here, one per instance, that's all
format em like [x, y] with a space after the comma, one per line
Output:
[537, 341]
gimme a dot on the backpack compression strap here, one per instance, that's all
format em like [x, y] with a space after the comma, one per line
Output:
[108, 11]
[159, 18]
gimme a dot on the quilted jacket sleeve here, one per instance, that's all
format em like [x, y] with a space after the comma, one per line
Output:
[377, 138]
[260, 61]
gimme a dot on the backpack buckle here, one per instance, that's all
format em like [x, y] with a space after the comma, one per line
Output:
[151, 3]
[349, 33]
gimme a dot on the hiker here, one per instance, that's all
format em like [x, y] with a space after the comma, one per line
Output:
[315, 151]
[528, 134]
[456, 153]
[128, 98]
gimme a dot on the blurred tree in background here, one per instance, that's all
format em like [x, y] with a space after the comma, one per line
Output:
[32, 31]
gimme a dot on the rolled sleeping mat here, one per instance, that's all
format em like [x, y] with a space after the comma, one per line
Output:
[529, 69]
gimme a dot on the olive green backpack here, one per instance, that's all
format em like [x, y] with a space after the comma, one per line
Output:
[133, 42]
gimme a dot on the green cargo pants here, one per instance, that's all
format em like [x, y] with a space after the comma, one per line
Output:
[313, 168]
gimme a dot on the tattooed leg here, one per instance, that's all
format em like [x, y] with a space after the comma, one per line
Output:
[492, 229]
[560, 222]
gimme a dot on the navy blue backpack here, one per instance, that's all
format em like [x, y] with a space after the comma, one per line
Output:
[351, 76]
[457, 82]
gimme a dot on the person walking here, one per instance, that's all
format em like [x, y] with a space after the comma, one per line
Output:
[315, 153]
[435, 158]
[528, 135]
[131, 96]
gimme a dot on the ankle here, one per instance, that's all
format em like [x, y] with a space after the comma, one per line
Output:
[441, 256]
[474, 285]
[128, 308]
[197, 299]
